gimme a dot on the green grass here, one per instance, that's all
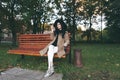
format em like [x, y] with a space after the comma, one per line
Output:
[100, 62]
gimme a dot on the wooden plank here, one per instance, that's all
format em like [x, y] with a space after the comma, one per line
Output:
[34, 42]
[31, 53]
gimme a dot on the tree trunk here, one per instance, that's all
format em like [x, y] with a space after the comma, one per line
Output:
[12, 23]
[74, 25]
[35, 25]
[90, 36]
[0, 34]
[13, 29]
[73, 31]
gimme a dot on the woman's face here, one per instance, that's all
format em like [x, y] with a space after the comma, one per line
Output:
[59, 26]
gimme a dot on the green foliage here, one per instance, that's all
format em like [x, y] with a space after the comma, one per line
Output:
[74, 11]
[105, 36]
[94, 35]
[113, 17]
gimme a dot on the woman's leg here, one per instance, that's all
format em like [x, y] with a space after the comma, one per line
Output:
[51, 51]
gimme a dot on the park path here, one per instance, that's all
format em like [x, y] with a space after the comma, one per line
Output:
[25, 74]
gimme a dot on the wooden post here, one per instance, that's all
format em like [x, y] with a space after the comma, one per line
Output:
[78, 58]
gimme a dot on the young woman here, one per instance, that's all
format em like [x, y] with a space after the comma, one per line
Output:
[60, 40]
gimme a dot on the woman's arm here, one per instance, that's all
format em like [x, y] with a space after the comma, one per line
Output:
[52, 32]
[67, 39]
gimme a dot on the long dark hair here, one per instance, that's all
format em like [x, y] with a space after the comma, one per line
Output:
[63, 25]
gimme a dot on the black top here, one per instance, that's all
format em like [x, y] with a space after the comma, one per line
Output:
[55, 42]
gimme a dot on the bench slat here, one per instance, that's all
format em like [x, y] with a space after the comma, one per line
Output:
[28, 52]
[34, 41]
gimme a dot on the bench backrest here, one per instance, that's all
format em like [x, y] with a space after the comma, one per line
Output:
[33, 41]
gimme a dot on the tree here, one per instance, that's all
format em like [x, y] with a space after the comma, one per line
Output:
[94, 34]
[90, 7]
[113, 18]
[9, 11]
[26, 9]
[70, 14]
[42, 11]
[0, 33]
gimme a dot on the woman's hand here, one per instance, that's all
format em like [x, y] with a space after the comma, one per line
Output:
[65, 44]
[52, 28]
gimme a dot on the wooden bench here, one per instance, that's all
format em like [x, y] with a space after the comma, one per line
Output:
[31, 44]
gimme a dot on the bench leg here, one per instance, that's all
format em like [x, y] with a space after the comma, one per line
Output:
[22, 56]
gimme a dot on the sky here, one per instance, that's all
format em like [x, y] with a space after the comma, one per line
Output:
[96, 23]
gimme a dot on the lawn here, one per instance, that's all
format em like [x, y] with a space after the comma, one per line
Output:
[100, 62]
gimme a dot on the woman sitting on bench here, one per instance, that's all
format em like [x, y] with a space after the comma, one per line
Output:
[60, 40]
